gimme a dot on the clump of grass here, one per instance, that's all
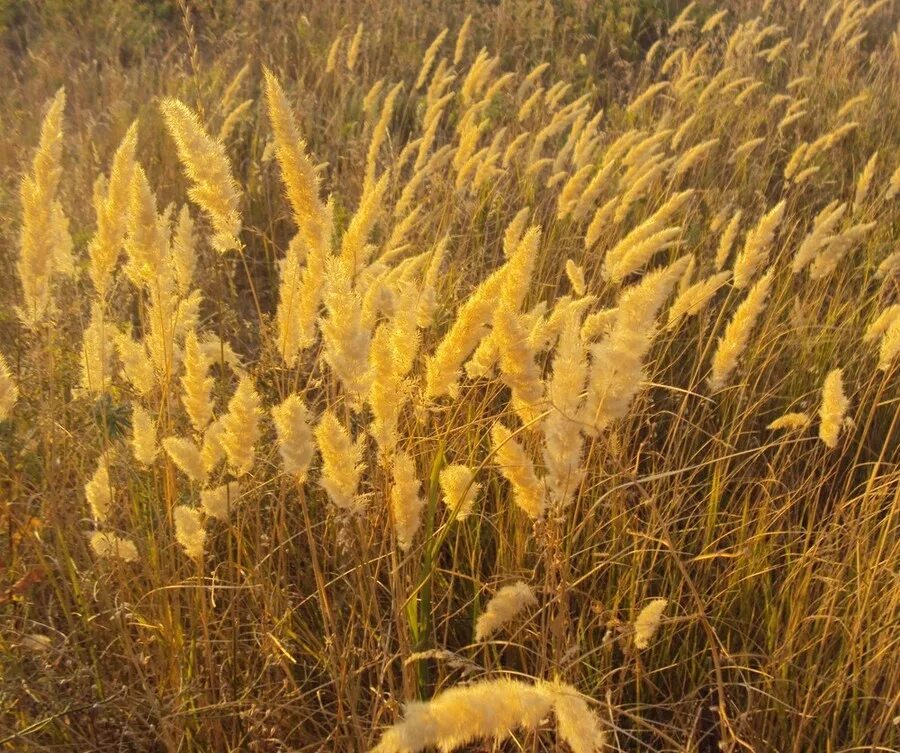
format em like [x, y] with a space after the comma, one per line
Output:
[451, 315]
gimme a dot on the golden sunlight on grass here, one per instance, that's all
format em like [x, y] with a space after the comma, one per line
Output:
[490, 376]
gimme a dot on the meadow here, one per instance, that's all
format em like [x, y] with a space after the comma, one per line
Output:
[484, 376]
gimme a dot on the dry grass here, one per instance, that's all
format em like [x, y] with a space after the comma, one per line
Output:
[370, 323]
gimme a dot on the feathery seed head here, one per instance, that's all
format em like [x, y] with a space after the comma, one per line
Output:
[518, 469]
[241, 427]
[205, 163]
[517, 365]
[756, 247]
[575, 274]
[737, 334]
[833, 409]
[563, 443]
[184, 252]
[460, 489]
[342, 463]
[647, 622]
[45, 245]
[790, 421]
[406, 503]
[505, 605]
[111, 204]
[9, 392]
[109, 546]
[461, 39]
[220, 501]
[295, 440]
[189, 531]
[187, 458]
[493, 710]
[99, 491]
[197, 385]
[890, 345]
[143, 436]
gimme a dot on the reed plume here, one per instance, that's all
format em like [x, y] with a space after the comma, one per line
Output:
[893, 185]
[109, 545]
[99, 491]
[572, 191]
[211, 451]
[196, 384]
[726, 242]
[300, 289]
[187, 458]
[205, 163]
[235, 116]
[518, 469]
[393, 352]
[864, 183]
[617, 360]
[576, 277]
[430, 55]
[379, 135]
[345, 336]
[342, 463]
[493, 710]
[890, 345]
[756, 248]
[882, 323]
[461, 38]
[353, 49]
[790, 421]
[331, 59]
[647, 622]
[295, 439]
[504, 606]
[734, 340]
[833, 408]
[460, 489]
[577, 725]
[428, 303]
[111, 207]
[693, 299]
[221, 500]
[44, 241]
[143, 436]
[517, 365]
[462, 338]
[521, 250]
[96, 353]
[146, 242]
[889, 266]
[184, 251]
[625, 259]
[406, 503]
[189, 531]
[820, 236]
[241, 427]
[563, 443]
[299, 296]
[137, 369]
[639, 245]
[9, 391]
[837, 247]
[693, 155]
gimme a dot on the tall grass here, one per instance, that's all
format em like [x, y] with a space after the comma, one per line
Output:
[386, 378]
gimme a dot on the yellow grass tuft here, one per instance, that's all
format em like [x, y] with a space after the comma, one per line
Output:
[206, 164]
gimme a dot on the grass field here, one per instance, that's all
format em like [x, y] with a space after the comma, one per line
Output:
[413, 376]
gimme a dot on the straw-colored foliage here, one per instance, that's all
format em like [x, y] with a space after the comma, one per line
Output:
[403, 376]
